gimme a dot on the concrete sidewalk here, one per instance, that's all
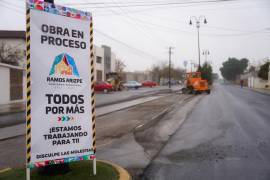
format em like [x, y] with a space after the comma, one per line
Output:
[262, 91]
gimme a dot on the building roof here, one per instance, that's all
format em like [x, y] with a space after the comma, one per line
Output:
[12, 34]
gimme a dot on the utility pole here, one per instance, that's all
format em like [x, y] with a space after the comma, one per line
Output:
[198, 24]
[170, 53]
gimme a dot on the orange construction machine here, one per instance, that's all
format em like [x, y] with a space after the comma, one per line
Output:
[194, 84]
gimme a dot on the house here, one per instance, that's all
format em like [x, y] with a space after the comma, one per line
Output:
[105, 61]
[12, 77]
[252, 80]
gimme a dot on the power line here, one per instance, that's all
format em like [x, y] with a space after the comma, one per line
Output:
[154, 8]
[135, 21]
[149, 4]
[138, 51]
[177, 30]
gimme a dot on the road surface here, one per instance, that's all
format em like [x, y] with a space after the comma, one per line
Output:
[111, 127]
[102, 99]
[227, 136]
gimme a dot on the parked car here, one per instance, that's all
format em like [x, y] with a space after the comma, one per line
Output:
[132, 84]
[103, 86]
[149, 84]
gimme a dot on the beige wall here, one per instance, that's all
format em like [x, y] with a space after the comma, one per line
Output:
[5, 85]
[113, 61]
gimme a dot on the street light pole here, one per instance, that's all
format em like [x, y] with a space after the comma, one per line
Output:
[198, 23]
[206, 53]
[199, 50]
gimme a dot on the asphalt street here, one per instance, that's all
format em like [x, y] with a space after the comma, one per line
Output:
[115, 139]
[102, 99]
[227, 136]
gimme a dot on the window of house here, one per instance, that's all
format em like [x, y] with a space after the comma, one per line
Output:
[99, 59]
[99, 75]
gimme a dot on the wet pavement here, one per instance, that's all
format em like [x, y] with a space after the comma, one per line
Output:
[115, 138]
[227, 136]
[137, 135]
[131, 94]
[16, 127]
[14, 114]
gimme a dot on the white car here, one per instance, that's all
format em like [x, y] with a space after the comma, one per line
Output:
[132, 84]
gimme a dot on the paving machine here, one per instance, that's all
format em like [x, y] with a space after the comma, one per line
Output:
[115, 80]
[194, 84]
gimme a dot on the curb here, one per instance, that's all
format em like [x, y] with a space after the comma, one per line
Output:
[5, 170]
[11, 112]
[258, 91]
[123, 174]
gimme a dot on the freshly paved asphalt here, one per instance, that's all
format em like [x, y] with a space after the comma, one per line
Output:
[227, 136]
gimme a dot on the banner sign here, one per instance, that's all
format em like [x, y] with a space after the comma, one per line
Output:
[59, 94]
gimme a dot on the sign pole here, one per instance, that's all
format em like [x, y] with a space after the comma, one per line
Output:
[28, 173]
[95, 166]
[92, 59]
[28, 89]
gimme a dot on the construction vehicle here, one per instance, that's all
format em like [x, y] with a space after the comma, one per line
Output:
[115, 80]
[194, 84]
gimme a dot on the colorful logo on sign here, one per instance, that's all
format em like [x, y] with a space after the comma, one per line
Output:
[64, 64]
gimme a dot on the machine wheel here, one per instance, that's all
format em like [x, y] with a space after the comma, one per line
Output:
[208, 91]
[197, 92]
[184, 90]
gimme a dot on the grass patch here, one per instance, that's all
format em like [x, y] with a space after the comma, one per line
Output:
[79, 170]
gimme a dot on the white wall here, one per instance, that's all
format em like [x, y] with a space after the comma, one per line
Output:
[256, 82]
[98, 51]
[4, 85]
[113, 61]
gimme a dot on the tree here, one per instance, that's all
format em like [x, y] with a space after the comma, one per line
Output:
[233, 67]
[10, 55]
[119, 66]
[264, 70]
[206, 72]
[156, 73]
[161, 70]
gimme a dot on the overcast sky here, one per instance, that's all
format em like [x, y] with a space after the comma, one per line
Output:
[140, 34]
